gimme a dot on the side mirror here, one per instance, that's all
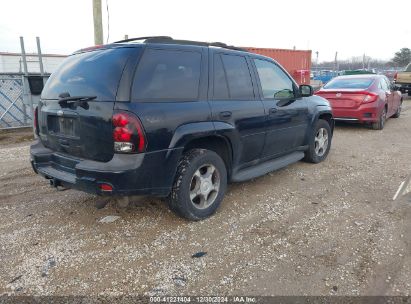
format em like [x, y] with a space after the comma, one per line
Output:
[306, 90]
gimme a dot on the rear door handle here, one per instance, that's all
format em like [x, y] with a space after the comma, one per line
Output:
[225, 114]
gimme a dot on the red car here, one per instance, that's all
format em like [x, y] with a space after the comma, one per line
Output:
[363, 98]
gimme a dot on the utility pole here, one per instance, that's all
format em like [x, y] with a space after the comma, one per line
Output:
[336, 62]
[98, 23]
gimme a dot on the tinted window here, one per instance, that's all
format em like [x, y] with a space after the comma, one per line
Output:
[95, 73]
[349, 83]
[274, 82]
[220, 81]
[167, 75]
[238, 77]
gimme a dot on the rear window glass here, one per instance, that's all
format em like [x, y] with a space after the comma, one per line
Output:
[238, 77]
[167, 75]
[95, 73]
[349, 83]
[408, 68]
[220, 81]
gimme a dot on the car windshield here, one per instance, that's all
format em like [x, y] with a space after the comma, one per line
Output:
[349, 83]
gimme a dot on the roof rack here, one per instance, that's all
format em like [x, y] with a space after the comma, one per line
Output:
[144, 38]
[169, 40]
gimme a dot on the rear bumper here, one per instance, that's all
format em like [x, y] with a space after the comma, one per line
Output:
[364, 113]
[128, 174]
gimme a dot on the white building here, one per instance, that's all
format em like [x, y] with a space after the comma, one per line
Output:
[13, 62]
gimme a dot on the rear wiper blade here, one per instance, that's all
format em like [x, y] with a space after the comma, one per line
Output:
[74, 101]
[76, 98]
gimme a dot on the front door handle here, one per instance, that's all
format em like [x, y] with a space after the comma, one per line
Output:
[225, 114]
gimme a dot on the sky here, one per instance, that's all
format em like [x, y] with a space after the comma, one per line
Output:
[351, 27]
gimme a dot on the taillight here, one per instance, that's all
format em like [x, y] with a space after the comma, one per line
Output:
[36, 120]
[370, 97]
[128, 133]
[106, 187]
[395, 76]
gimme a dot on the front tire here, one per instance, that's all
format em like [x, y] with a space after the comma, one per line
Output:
[199, 186]
[320, 142]
[398, 113]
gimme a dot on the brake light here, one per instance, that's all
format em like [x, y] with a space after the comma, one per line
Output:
[370, 97]
[395, 76]
[36, 120]
[128, 133]
[106, 187]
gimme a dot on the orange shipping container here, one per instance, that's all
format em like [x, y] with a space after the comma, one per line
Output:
[296, 62]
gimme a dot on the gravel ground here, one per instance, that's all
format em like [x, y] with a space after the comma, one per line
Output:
[325, 229]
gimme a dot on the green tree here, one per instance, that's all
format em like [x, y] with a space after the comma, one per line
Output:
[403, 57]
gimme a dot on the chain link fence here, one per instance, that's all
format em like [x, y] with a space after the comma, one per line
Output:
[13, 112]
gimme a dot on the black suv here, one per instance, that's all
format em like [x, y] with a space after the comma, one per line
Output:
[174, 118]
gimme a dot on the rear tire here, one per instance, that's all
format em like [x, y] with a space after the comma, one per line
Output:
[199, 186]
[379, 125]
[398, 113]
[320, 142]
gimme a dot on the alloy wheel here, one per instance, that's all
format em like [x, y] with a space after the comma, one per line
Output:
[205, 186]
[321, 142]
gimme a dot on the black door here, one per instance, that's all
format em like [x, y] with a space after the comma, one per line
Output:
[287, 115]
[233, 101]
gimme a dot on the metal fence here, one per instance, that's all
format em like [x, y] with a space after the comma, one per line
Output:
[13, 112]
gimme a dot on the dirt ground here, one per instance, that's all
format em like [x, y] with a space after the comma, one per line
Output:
[325, 229]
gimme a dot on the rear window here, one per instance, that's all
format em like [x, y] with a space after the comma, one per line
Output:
[167, 75]
[408, 68]
[349, 83]
[238, 77]
[95, 73]
[220, 81]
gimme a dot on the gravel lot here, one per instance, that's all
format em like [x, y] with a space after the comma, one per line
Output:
[326, 229]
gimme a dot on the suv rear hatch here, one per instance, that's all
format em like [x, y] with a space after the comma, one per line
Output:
[77, 102]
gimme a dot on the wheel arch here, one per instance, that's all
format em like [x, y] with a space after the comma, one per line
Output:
[328, 117]
[216, 143]
[324, 113]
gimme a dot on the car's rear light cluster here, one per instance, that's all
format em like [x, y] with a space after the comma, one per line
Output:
[106, 187]
[357, 96]
[128, 133]
[369, 97]
[395, 77]
[36, 120]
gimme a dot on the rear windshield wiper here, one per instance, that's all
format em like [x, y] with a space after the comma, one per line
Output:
[75, 101]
